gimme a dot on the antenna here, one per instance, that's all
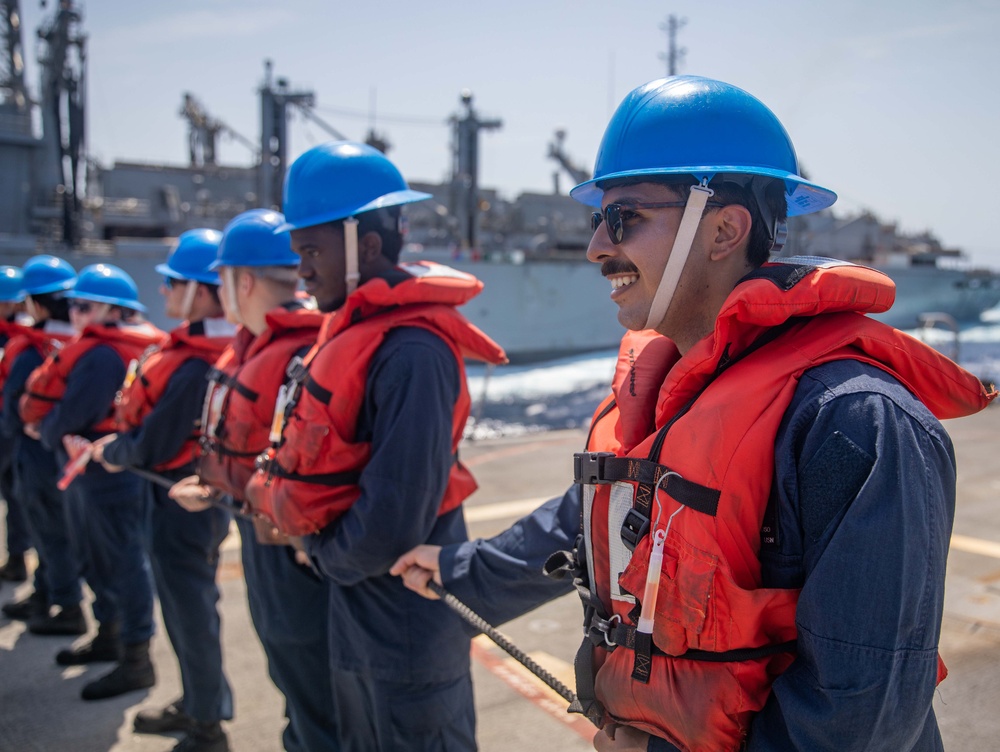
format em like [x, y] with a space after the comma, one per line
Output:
[674, 54]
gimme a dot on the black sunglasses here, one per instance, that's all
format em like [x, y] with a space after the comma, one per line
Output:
[612, 214]
[83, 306]
[172, 283]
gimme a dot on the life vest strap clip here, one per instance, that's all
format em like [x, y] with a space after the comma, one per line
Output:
[600, 631]
[634, 527]
[588, 467]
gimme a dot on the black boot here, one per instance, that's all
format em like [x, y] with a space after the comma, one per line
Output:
[14, 570]
[26, 608]
[69, 620]
[106, 646]
[204, 737]
[134, 672]
[169, 719]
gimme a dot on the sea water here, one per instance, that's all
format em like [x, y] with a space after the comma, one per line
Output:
[561, 394]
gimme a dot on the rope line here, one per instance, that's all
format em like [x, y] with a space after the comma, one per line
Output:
[500, 639]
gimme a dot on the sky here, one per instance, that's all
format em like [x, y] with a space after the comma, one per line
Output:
[892, 104]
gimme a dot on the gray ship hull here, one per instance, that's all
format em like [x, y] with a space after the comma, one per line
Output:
[539, 310]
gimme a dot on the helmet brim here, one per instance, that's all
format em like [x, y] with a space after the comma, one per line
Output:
[396, 198]
[135, 305]
[801, 195]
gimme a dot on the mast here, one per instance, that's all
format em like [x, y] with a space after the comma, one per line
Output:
[465, 169]
[15, 94]
[275, 98]
[674, 55]
[63, 60]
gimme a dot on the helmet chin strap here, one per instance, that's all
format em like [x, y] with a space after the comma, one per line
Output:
[190, 290]
[683, 241]
[351, 274]
[229, 290]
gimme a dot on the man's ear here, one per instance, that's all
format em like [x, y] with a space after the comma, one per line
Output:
[246, 282]
[731, 227]
[369, 248]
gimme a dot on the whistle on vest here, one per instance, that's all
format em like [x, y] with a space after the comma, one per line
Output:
[648, 612]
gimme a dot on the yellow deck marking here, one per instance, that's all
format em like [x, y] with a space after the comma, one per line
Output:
[975, 545]
[503, 510]
[529, 686]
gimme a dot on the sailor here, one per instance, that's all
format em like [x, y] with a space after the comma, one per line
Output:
[768, 496]
[72, 395]
[366, 464]
[158, 415]
[18, 530]
[288, 603]
[57, 577]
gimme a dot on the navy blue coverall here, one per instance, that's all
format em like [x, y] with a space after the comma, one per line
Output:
[57, 578]
[184, 546]
[18, 527]
[108, 512]
[865, 478]
[407, 668]
[289, 608]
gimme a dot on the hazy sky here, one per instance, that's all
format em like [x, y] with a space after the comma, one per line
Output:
[892, 103]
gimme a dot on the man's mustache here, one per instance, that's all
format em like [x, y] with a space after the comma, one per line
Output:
[617, 266]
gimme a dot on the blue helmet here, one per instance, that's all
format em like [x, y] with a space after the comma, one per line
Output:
[688, 125]
[250, 239]
[105, 283]
[193, 256]
[341, 179]
[46, 273]
[11, 284]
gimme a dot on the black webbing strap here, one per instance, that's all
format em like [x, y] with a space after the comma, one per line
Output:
[586, 703]
[220, 449]
[323, 395]
[349, 478]
[626, 636]
[42, 397]
[694, 495]
[230, 382]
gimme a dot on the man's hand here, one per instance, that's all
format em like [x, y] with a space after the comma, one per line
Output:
[97, 453]
[417, 567]
[615, 738]
[191, 494]
[33, 431]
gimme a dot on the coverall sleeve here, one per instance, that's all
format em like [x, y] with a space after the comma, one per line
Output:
[867, 486]
[13, 388]
[501, 578]
[168, 425]
[413, 383]
[90, 392]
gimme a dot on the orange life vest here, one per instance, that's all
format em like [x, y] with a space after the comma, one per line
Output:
[146, 386]
[243, 387]
[311, 478]
[703, 427]
[47, 383]
[45, 339]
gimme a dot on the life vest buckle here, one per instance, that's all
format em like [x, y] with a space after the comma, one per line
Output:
[599, 631]
[634, 527]
[588, 467]
[296, 370]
